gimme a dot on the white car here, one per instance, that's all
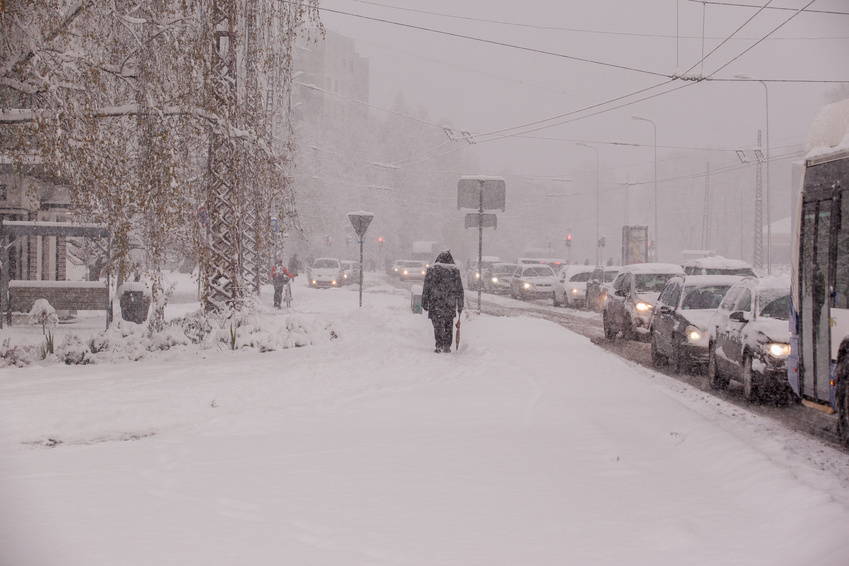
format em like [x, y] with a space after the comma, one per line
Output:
[570, 288]
[410, 269]
[532, 282]
[325, 272]
[717, 265]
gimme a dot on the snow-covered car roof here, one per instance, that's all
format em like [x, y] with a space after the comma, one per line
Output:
[570, 270]
[772, 282]
[653, 268]
[712, 279]
[717, 262]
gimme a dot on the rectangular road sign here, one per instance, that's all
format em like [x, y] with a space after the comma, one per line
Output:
[469, 190]
[474, 220]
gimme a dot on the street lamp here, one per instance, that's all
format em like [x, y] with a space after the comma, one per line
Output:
[597, 248]
[656, 236]
[768, 218]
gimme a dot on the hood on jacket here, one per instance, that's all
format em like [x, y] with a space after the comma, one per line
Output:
[444, 257]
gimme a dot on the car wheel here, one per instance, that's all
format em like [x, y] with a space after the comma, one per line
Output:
[656, 358]
[609, 333]
[675, 360]
[714, 379]
[751, 381]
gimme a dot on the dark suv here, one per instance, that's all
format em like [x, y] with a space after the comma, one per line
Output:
[629, 304]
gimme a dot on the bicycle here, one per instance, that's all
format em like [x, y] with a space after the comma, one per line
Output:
[287, 294]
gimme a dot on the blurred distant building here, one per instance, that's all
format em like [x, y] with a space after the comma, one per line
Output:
[336, 80]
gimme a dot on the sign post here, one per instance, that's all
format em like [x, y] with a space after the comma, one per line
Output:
[482, 193]
[360, 222]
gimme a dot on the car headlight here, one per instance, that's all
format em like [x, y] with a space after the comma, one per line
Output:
[495, 279]
[574, 291]
[778, 349]
[526, 285]
[643, 307]
[694, 334]
[314, 281]
[477, 275]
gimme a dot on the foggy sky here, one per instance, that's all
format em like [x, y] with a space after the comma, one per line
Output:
[485, 87]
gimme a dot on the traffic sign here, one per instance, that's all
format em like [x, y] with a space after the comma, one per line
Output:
[475, 220]
[360, 222]
[481, 192]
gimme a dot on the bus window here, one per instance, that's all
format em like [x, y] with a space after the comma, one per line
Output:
[841, 272]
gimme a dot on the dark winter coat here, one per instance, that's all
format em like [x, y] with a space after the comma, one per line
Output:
[442, 292]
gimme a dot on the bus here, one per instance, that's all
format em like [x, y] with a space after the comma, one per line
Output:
[818, 364]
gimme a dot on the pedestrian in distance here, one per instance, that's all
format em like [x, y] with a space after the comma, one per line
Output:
[279, 277]
[443, 298]
[294, 265]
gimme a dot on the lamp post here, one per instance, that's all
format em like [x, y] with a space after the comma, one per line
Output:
[597, 248]
[656, 237]
[766, 158]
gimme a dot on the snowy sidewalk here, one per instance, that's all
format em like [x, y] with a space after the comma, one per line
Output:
[528, 446]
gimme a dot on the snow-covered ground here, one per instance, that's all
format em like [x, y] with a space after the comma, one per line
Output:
[529, 445]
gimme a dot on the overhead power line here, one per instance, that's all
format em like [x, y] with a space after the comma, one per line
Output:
[499, 43]
[736, 5]
[574, 30]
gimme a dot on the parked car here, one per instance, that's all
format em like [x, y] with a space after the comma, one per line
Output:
[717, 265]
[412, 269]
[628, 306]
[570, 288]
[473, 272]
[498, 277]
[681, 316]
[598, 285]
[749, 338]
[532, 282]
[395, 269]
[350, 272]
[325, 272]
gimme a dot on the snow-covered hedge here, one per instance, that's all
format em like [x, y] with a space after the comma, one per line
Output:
[126, 341]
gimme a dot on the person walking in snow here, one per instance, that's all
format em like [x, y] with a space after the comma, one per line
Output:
[442, 297]
[279, 277]
[294, 265]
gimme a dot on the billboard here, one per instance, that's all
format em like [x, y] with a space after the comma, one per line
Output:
[635, 244]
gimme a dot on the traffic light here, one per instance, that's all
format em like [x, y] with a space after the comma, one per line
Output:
[329, 240]
[602, 241]
[568, 240]
[380, 240]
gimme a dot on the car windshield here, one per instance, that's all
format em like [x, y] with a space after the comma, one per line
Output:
[581, 277]
[326, 263]
[651, 282]
[610, 276]
[704, 297]
[504, 269]
[541, 271]
[775, 304]
[413, 264]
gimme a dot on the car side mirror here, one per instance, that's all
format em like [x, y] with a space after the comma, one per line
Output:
[664, 309]
[738, 316]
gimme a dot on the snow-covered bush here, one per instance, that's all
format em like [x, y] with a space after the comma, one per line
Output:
[44, 314]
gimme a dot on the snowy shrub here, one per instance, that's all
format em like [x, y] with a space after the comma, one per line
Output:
[44, 314]
[18, 356]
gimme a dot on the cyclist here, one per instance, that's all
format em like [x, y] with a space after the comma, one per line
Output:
[280, 276]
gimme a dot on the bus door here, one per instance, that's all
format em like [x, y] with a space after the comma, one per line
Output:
[814, 322]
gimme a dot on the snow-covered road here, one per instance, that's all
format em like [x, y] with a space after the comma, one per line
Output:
[530, 445]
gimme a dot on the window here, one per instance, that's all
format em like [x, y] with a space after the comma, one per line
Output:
[730, 298]
[666, 296]
[581, 277]
[744, 303]
[841, 273]
[4, 192]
